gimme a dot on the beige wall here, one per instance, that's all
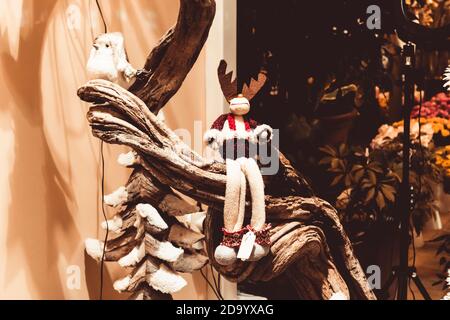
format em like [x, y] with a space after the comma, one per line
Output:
[50, 169]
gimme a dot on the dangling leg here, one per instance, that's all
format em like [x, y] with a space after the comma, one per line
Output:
[242, 198]
[226, 254]
[258, 220]
[256, 183]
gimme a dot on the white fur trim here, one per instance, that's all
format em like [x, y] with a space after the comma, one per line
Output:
[134, 257]
[213, 135]
[114, 225]
[127, 159]
[117, 198]
[148, 212]
[243, 134]
[338, 296]
[94, 248]
[122, 284]
[228, 135]
[237, 134]
[166, 281]
[263, 133]
[163, 250]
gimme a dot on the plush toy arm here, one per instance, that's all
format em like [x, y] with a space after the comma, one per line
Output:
[125, 67]
[263, 133]
[213, 138]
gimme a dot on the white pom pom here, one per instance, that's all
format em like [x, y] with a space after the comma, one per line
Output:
[122, 284]
[94, 248]
[148, 212]
[127, 159]
[134, 257]
[166, 281]
[225, 256]
[162, 250]
[259, 252]
[114, 225]
[117, 198]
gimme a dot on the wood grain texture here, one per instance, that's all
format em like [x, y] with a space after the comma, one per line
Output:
[309, 245]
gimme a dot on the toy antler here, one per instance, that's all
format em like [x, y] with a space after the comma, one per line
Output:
[255, 86]
[229, 88]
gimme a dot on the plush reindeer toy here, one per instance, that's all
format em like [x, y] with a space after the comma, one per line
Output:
[236, 136]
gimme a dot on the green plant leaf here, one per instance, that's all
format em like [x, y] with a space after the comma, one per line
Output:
[357, 172]
[343, 199]
[388, 191]
[336, 170]
[336, 180]
[375, 167]
[370, 195]
[365, 184]
[343, 150]
[381, 203]
[372, 177]
[329, 150]
[336, 163]
[357, 167]
[326, 161]
[348, 180]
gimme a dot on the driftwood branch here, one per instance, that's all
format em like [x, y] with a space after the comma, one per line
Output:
[170, 62]
[309, 245]
[121, 118]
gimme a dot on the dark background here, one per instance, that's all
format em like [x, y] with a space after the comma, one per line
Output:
[298, 40]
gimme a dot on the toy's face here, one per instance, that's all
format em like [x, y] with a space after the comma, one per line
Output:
[240, 106]
[109, 44]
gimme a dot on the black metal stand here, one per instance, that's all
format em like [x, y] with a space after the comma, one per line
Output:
[404, 273]
[411, 275]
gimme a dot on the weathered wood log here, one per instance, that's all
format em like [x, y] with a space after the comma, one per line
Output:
[309, 243]
[303, 231]
[145, 292]
[183, 236]
[190, 262]
[205, 182]
[170, 62]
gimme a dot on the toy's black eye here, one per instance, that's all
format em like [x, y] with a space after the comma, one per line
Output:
[107, 45]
